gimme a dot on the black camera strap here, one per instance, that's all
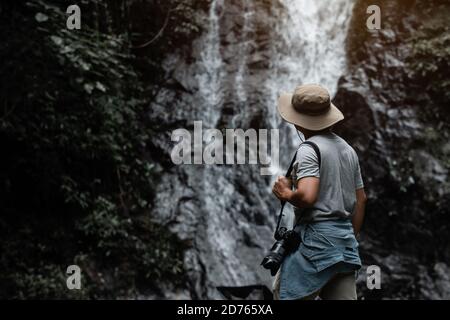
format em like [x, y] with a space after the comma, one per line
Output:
[288, 174]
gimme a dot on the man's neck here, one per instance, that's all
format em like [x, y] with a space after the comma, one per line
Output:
[308, 134]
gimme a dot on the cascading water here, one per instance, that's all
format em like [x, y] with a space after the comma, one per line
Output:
[244, 48]
[311, 47]
[314, 36]
[210, 80]
[211, 90]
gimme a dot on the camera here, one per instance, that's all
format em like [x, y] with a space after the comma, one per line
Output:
[287, 242]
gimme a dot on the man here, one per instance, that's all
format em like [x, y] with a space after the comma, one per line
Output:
[329, 201]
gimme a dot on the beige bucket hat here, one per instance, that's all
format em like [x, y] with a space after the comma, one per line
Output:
[309, 107]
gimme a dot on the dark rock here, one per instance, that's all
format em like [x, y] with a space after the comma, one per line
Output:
[408, 186]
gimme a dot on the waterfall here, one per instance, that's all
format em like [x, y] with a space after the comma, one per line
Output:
[243, 51]
[210, 80]
[311, 47]
[314, 36]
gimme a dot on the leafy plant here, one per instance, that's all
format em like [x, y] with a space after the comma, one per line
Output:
[76, 177]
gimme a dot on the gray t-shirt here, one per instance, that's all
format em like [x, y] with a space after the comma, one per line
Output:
[340, 177]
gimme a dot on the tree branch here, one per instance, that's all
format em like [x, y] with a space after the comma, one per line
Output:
[159, 34]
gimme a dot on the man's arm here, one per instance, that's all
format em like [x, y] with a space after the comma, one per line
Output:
[358, 216]
[303, 197]
[307, 178]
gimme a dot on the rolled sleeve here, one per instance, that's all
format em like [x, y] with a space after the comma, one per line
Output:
[359, 183]
[307, 163]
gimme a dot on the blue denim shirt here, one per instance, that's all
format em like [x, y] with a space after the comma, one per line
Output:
[328, 247]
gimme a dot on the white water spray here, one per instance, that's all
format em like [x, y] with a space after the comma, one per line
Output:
[210, 80]
[311, 49]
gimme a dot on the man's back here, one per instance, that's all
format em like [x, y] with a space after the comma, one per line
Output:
[339, 175]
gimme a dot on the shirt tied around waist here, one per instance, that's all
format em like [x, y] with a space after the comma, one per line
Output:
[328, 247]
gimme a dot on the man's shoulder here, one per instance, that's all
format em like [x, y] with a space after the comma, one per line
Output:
[332, 142]
[306, 151]
[328, 140]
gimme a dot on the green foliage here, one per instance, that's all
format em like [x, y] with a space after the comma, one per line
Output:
[48, 281]
[430, 58]
[429, 62]
[76, 176]
[121, 242]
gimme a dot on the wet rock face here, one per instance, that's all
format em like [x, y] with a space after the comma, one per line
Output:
[406, 174]
[225, 214]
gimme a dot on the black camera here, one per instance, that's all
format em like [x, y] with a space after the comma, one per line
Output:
[287, 242]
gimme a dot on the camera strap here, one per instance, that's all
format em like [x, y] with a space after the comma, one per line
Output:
[289, 172]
